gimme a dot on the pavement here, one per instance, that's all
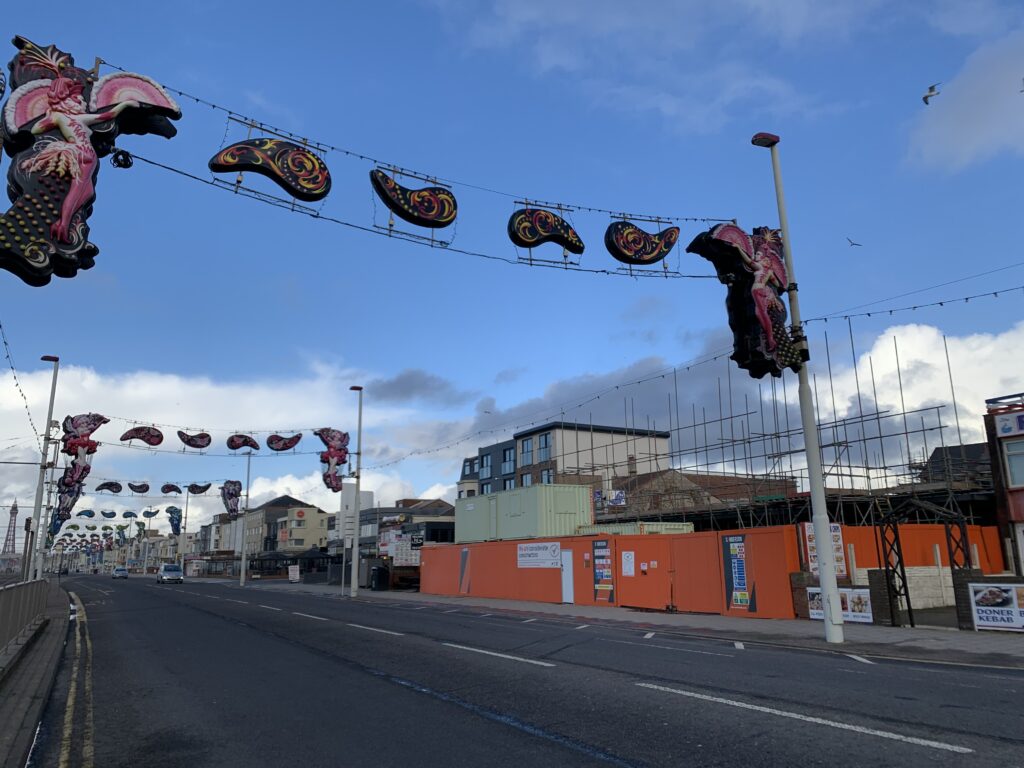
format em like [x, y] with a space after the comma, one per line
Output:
[933, 644]
[208, 673]
[25, 689]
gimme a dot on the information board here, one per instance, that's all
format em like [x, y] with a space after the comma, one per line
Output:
[734, 560]
[542, 555]
[604, 577]
[855, 605]
[998, 606]
[811, 548]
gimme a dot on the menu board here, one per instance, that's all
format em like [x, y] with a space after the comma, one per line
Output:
[855, 605]
[811, 547]
[998, 606]
[734, 560]
[604, 577]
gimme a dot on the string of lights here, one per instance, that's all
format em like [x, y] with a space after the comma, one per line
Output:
[324, 147]
[933, 304]
[17, 383]
[290, 205]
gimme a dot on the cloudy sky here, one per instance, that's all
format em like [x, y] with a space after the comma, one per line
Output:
[211, 311]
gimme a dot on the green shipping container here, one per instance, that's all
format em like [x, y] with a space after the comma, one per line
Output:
[538, 511]
[632, 529]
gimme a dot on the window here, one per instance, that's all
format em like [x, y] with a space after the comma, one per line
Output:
[298, 542]
[298, 523]
[526, 480]
[526, 452]
[508, 461]
[476, 465]
[1015, 462]
[547, 476]
[466, 468]
[485, 466]
[544, 447]
[485, 488]
[508, 484]
[470, 493]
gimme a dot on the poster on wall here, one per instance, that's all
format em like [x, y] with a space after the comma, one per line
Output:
[543, 555]
[734, 561]
[998, 606]
[604, 581]
[403, 553]
[855, 605]
[811, 548]
[629, 563]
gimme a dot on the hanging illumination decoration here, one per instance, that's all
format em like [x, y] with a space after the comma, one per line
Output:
[627, 243]
[293, 168]
[335, 455]
[433, 207]
[151, 436]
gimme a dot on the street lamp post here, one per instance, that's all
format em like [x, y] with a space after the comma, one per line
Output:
[35, 570]
[354, 563]
[819, 511]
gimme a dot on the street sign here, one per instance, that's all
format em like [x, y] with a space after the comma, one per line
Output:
[417, 540]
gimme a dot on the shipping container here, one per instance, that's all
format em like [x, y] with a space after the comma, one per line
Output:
[524, 513]
[634, 528]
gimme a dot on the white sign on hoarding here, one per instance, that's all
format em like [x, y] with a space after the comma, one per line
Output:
[629, 563]
[855, 604]
[617, 499]
[998, 606]
[403, 553]
[293, 574]
[541, 555]
[811, 543]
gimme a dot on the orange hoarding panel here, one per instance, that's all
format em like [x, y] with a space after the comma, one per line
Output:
[697, 577]
[644, 571]
[756, 563]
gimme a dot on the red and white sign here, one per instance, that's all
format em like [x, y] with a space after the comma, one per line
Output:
[811, 548]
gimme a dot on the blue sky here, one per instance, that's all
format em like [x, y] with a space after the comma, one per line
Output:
[213, 311]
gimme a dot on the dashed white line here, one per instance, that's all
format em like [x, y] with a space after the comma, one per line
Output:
[582, 626]
[738, 645]
[309, 616]
[453, 610]
[666, 647]
[268, 607]
[377, 629]
[500, 655]
[861, 659]
[809, 719]
[648, 636]
[421, 608]
[484, 615]
[528, 621]
[243, 602]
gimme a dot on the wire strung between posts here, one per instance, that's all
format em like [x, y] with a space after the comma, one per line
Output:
[942, 303]
[292, 207]
[17, 383]
[324, 147]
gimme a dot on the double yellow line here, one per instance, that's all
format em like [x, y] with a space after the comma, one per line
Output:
[81, 629]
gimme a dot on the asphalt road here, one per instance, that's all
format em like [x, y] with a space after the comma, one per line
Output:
[210, 674]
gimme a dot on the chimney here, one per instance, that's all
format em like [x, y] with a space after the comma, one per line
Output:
[631, 465]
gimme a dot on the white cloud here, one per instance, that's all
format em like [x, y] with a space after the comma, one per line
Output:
[979, 113]
[440, 491]
[974, 17]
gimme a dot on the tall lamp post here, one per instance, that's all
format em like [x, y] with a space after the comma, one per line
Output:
[819, 510]
[354, 564]
[36, 568]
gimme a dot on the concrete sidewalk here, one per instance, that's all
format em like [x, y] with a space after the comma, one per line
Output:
[26, 688]
[999, 649]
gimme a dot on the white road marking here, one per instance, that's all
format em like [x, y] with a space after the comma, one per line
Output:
[582, 626]
[738, 645]
[269, 607]
[421, 608]
[309, 616]
[648, 636]
[375, 629]
[528, 621]
[211, 597]
[453, 610]
[499, 655]
[243, 602]
[861, 659]
[815, 720]
[666, 647]
[484, 615]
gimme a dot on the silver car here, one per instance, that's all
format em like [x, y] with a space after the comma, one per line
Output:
[170, 573]
[120, 572]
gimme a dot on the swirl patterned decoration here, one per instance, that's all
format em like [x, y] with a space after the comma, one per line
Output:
[629, 244]
[530, 227]
[242, 441]
[295, 169]
[279, 443]
[139, 487]
[200, 441]
[433, 207]
[197, 489]
[107, 513]
[151, 436]
[110, 485]
[168, 488]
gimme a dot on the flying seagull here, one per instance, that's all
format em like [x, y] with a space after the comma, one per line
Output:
[853, 243]
[932, 92]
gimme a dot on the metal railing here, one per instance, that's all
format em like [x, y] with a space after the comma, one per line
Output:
[20, 605]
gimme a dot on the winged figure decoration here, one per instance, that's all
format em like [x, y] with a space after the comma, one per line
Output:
[336, 453]
[57, 123]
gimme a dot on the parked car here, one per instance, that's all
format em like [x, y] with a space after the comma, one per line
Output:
[169, 573]
[120, 572]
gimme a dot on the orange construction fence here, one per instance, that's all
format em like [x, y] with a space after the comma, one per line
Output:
[738, 573]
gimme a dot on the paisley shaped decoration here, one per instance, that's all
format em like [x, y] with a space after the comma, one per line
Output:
[139, 487]
[90, 527]
[108, 513]
[200, 441]
[151, 436]
[242, 441]
[129, 513]
[530, 227]
[433, 207]
[293, 168]
[627, 243]
[110, 485]
[107, 528]
[197, 488]
[85, 513]
[150, 512]
[168, 488]
[278, 443]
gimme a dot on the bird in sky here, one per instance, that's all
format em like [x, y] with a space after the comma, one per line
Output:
[932, 92]
[853, 243]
